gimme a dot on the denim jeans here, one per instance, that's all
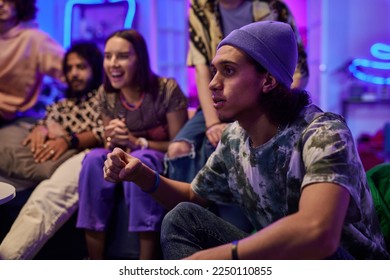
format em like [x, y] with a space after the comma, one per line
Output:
[189, 228]
[185, 168]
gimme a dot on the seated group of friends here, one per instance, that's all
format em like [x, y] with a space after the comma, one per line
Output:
[256, 151]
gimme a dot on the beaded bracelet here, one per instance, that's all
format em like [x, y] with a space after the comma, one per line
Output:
[156, 183]
[234, 250]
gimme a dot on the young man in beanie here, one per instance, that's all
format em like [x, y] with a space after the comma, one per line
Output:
[292, 168]
[209, 22]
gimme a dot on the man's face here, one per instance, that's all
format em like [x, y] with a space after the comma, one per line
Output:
[7, 11]
[236, 85]
[78, 73]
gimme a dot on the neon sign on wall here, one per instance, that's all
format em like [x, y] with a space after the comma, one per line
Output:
[69, 8]
[360, 67]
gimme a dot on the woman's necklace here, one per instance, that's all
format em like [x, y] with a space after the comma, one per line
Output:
[131, 106]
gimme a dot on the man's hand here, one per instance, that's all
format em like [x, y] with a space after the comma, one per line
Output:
[51, 150]
[120, 166]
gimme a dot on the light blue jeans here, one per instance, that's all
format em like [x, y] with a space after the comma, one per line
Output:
[189, 228]
[186, 167]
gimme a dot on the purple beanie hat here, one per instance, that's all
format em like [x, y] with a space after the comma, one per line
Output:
[271, 43]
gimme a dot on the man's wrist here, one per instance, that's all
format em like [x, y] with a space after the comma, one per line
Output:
[154, 188]
[65, 138]
[71, 140]
[234, 250]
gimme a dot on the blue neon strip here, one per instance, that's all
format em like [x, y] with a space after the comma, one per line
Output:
[378, 50]
[367, 77]
[68, 15]
[371, 64]
[381, 51]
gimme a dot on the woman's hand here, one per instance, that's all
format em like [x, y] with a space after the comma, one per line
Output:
[51, 150]
[118, 135]
[36, 138]
[214, 133]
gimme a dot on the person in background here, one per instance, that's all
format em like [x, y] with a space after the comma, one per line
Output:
[293, 168]
[209, 22]
[141, 112]
[27, 55]
[72, 124]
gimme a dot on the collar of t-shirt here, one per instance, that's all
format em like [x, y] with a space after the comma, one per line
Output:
[235, 18]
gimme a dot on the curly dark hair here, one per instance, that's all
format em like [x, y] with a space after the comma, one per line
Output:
[282, 105]
[94, 57]
[26, 9]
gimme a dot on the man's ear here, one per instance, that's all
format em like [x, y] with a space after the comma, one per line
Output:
[270, 83]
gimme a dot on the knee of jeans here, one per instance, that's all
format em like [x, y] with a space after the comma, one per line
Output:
[179, 215]
[179, 149]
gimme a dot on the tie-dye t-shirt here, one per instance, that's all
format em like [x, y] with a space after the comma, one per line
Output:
[267, 181]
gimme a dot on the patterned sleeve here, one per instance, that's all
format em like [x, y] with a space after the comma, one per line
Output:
[52, 113]
[106, 104]
[329, 155]
[282, 13]
[76, 117]
[94, 121]
[176, 98]
[204, 34]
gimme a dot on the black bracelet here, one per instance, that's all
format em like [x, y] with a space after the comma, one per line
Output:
[74, 141]
[156, 183]
[234, 250]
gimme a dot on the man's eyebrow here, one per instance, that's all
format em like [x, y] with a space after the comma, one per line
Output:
[119, 52]
[223, 62]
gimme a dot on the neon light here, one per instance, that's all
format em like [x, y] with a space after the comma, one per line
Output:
[378, 50]
[381, 51]
[371, 64]
[68, 15]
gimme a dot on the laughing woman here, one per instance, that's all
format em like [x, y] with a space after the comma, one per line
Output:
[141, 112]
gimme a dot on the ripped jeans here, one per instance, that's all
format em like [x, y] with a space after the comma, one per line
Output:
[185, 168]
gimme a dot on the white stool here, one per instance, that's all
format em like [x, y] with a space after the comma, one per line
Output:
[7, 192]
